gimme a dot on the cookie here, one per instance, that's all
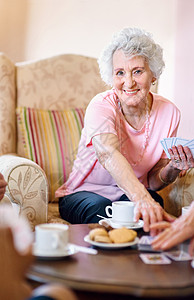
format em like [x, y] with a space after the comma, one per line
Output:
[97, 232]
[102, 239]
[122, 235]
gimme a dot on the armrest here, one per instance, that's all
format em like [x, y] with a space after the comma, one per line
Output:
[27, 187]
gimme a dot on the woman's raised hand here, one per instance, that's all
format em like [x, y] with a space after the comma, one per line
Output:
[181, 157]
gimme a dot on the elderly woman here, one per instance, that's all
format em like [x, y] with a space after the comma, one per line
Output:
[120, 156]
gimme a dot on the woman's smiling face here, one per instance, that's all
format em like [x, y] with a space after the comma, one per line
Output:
[132, 78]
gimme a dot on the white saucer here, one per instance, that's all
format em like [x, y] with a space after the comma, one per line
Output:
[113, 224]
[71, 249]
[109, 245]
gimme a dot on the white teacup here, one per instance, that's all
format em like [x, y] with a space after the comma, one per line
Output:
[185, 209]
[122, 212]
[51, 238]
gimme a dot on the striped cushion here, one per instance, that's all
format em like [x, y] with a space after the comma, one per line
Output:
[50, 138]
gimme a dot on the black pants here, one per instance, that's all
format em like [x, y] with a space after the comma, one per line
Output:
[83, 207]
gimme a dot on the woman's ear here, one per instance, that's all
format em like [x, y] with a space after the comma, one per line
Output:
[154, 80]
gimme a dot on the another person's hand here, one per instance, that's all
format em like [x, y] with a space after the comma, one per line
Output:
[176, 232]
[3, 185]
[151, 212]
[181, 158]
[13, 284]
[55, 291]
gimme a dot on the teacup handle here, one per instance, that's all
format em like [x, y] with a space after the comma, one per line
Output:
[107, 211]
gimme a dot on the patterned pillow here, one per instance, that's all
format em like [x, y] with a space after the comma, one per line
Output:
[50, 138]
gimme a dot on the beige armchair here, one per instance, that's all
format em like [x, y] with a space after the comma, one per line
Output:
[60, 86]
[42, 107]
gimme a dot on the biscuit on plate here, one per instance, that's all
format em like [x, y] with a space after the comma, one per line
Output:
[97, 231]
[122, 235]
[102, 239]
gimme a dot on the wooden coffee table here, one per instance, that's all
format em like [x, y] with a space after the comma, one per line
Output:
[114, 274]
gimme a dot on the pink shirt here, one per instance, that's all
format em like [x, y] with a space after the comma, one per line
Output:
[104, 115]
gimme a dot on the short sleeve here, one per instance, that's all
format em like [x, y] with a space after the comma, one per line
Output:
[100, 117]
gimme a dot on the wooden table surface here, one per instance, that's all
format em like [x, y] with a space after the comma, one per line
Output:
[115, 272]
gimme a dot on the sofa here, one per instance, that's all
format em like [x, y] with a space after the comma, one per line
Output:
[42, 106]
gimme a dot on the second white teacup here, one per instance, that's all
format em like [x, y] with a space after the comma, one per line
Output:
[122, 212]
[185, 209]
[51, 238]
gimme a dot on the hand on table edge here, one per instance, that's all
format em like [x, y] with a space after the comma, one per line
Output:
[151, 212]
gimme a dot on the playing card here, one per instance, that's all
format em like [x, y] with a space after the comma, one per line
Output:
[155, 259]
[178, 255]
[172, 141]
[169, 142]
[146, 240]
[164, 145]
[189, 143]
[179, 141]
[144, 244]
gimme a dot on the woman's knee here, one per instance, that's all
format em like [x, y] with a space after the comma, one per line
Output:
[82, 207]
[100, 200]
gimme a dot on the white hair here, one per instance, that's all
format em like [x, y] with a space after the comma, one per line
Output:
[133, 41]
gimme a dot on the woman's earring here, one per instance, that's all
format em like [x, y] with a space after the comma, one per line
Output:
[154, 82]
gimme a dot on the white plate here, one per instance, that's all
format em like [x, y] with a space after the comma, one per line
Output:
[109, 245]
[109, 222]
[42, 255]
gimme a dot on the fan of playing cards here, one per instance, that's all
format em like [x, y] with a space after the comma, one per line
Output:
[175, 141]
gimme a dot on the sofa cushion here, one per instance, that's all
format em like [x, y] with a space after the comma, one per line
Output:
[50, 138]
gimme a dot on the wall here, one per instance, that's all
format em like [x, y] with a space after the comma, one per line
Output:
[33, 29]
[40, 28]
[13, 28]
[184, 67]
